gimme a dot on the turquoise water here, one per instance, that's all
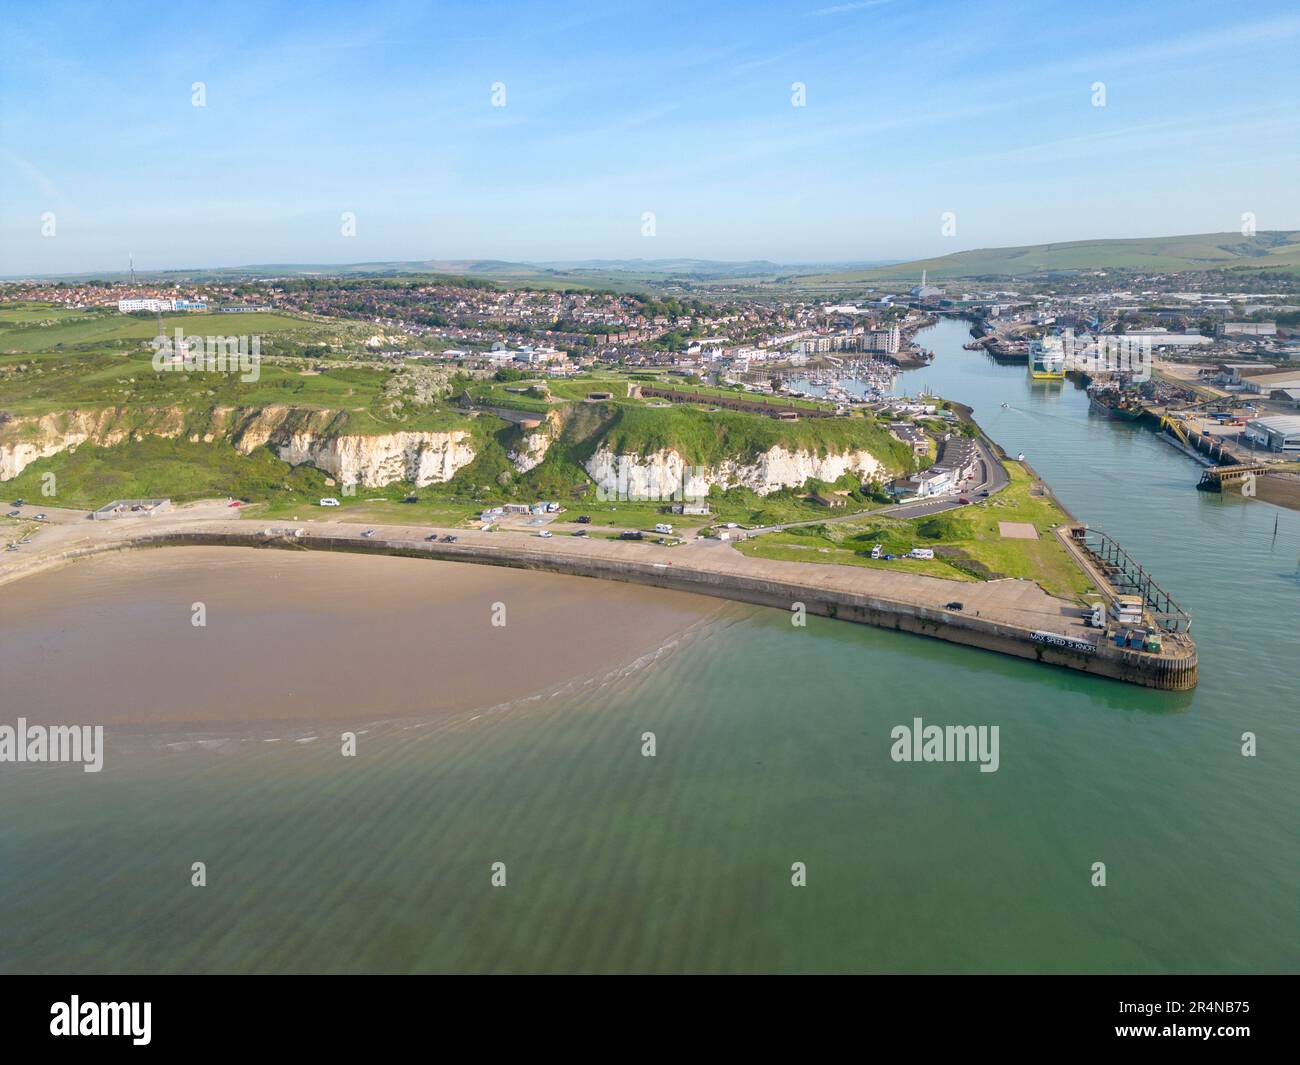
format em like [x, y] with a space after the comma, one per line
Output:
[772, 748]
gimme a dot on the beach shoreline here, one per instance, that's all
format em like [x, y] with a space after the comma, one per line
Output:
[294, 640]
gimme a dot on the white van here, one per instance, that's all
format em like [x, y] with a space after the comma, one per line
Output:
[662, 527]
[329, 502]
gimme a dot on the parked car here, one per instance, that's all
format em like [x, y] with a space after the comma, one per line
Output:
[631, 534]
[584, 519]
[449, 539]
[954, 605]
[19, 502]
[580, 532]
[40, 517]
[235, 503]
[963, 500]
[368, 532]
[431, 538]
[546, 534]
[15, 514]
[329, 501]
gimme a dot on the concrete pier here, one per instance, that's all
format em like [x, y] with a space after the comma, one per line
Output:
[1008, 616]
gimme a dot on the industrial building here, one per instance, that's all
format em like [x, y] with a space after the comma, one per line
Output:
[1247, 329]
[1265, 383]
[1279, 432]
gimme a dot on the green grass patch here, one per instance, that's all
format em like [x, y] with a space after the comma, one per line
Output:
[156, 466]
[968, 543]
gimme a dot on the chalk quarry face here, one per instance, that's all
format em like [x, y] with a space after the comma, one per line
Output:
[422, 458]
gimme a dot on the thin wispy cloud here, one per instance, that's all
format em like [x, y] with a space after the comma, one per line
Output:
[750, 130]
[844, 9]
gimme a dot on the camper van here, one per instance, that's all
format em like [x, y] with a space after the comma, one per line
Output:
[663, 527]
[921, 552]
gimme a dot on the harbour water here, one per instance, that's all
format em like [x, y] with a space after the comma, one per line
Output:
[771, 747]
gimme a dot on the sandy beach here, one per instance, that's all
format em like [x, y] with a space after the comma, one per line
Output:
[305, 637]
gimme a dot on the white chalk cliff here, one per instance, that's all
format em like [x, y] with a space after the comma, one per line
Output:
[661, 474]
[297, 436]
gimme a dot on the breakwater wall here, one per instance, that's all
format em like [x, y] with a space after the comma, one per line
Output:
[1175, 670]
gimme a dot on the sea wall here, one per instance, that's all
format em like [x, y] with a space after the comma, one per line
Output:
[1166, 671]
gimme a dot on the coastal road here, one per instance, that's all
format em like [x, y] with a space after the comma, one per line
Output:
[993, 477]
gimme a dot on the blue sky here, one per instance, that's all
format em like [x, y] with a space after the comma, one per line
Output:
[913, 109]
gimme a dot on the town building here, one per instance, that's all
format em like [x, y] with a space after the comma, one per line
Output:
[129, 306]
[1247, 329]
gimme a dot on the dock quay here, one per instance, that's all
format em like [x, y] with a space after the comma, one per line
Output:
[1216, 478]
[1009, 616]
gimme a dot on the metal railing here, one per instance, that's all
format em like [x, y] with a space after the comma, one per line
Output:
[1128, 577]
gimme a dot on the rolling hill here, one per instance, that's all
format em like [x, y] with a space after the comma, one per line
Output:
[1269, 249]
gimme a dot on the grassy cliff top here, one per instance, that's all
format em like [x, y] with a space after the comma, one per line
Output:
[375, 398]
[704, 437]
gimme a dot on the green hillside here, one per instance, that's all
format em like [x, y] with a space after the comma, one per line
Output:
[1271, 249]
[709, 437]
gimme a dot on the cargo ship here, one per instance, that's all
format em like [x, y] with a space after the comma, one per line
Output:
[1115, 404]
[1046, 361]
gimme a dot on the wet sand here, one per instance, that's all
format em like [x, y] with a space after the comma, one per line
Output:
[309, 637]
